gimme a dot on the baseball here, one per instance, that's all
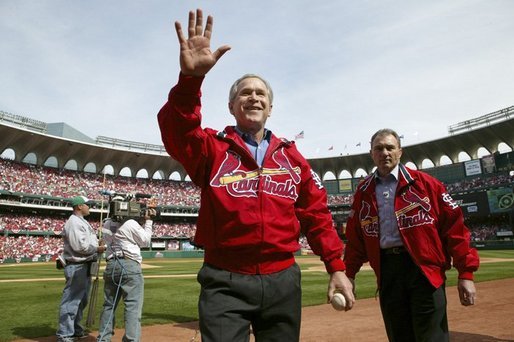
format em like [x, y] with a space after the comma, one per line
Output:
[338, 301]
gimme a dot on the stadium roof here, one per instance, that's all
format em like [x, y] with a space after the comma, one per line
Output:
[488, 137]
[23, 140]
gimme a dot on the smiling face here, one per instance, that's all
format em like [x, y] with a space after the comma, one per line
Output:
[251, 105]
[386, 153]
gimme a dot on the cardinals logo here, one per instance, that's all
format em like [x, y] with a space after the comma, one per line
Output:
[369, 223]
[242, 183]
[407, 217]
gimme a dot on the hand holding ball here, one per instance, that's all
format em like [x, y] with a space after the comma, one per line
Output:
[338, 301]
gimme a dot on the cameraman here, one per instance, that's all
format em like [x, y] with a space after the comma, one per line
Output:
[123, 276]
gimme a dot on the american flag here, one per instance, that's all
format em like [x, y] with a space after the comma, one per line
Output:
[299, 136]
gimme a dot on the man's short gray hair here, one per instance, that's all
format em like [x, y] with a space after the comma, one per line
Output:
[233, 90]
[386, 131]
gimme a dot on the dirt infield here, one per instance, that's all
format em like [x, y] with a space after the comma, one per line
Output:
[491, 319]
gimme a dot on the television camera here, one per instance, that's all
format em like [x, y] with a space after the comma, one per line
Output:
[123, 206]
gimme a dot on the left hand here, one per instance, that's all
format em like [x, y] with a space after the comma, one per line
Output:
[149, 213]
[467, 292]
[339, 282]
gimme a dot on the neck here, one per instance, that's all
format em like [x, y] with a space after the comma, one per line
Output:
[257, 135]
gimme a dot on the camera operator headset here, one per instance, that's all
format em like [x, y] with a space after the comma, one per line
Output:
[123, 277]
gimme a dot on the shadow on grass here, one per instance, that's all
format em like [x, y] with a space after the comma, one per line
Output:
[470, 337]
[33, 331]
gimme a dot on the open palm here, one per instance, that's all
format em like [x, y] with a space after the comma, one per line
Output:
[196, 57]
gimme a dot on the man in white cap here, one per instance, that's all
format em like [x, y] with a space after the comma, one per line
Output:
[81, 247]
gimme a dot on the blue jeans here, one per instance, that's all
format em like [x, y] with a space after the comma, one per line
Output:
[122, 279]
[74, 299]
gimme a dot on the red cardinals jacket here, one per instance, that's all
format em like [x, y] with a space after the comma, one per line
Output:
[250, 217]
[431, 225]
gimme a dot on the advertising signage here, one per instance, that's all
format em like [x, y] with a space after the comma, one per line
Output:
[501, 200]
[473, 203]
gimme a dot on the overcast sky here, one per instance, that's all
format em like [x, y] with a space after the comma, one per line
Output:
[340, 70]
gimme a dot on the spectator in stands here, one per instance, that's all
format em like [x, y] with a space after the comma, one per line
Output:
[256, 188]
[409, 229]
[81, 247]
[123, 276]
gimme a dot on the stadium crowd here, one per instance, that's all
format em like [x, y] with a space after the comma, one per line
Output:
[479, 182]
[18, 247]
[20, 223]
[30, 179]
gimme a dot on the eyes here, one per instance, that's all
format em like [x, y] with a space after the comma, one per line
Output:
[388, 148]
[261, 93]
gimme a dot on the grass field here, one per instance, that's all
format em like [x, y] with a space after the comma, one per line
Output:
[30, 293]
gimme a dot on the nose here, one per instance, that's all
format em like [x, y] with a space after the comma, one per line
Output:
[253, 96]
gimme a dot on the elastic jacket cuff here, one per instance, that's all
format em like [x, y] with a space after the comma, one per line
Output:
[335, 265]
[466, 275]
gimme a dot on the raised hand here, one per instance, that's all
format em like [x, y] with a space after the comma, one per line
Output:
[196, 57]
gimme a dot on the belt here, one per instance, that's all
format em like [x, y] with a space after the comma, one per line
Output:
[115, 256]
[394, 250]
[77, 262]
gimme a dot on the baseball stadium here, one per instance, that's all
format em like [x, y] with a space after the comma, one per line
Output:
[43, 165]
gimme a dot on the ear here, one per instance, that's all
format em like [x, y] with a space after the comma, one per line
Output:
[270, 110]
[231, 108]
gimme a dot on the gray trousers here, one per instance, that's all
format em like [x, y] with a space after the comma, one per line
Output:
[231, 303]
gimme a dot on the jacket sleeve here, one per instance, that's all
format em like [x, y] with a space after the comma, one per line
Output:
[316, 221]
[355, 253]
[180, 124]
[82, 241]
[454, 234]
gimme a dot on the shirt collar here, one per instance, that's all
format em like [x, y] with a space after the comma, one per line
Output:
[249, 139]
[394, 173]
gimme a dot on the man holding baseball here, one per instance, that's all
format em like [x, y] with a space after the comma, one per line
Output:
[258, 195]
[410, 230]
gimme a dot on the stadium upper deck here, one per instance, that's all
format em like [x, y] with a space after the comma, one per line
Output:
[18, 134]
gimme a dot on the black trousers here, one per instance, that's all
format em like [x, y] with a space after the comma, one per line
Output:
[231, 302]
[412, 309]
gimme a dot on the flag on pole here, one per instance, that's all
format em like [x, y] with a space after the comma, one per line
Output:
[299, 136]
[358, 144]
[331, 148]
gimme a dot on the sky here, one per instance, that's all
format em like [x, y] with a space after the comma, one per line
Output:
[340, 70]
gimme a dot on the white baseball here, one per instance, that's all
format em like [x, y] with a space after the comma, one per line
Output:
[338, 301]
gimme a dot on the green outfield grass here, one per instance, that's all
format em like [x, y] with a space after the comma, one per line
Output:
[29, 308]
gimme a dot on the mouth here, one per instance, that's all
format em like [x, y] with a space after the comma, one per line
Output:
[253, 108]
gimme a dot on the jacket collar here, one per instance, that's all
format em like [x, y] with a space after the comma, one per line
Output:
[404, 178]
[229, 133]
